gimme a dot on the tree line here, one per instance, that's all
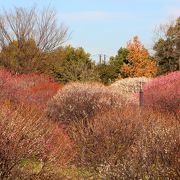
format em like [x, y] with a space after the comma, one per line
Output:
[33, 41]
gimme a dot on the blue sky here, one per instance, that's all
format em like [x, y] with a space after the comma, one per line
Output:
[103, 26]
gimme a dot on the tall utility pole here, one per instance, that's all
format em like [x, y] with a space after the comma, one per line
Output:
[104, 59]
[100, 58]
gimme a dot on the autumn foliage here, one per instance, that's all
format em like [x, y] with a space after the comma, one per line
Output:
[139, 61]
[99, 131]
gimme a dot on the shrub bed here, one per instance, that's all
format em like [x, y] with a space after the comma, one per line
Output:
[30, 146]
[129, 143]
[81, 101]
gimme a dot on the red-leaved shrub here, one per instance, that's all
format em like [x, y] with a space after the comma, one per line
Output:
[28, 88]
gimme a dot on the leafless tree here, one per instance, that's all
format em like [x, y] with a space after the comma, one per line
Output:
[160, 31]
[23, 24]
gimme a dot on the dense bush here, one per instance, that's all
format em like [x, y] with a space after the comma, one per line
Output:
[81, 101]
[163, 93]
[128, 143]
[21, 57]
[107, 73]
[28, 88]
[129, 85]
[27, 138]
[68, 64]
[118, 60]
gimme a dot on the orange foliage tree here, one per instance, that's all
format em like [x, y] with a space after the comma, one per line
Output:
[139, 62]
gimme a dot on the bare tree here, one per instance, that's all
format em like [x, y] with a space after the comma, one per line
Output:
[160, 31]
[24, 24]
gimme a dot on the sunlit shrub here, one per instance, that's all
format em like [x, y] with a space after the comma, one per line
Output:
[129, 85]
[81, 101]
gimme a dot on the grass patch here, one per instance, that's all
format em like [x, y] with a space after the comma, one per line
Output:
[78, 173]
[33, 165]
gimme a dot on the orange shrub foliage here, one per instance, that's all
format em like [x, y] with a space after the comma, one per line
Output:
[139, 61]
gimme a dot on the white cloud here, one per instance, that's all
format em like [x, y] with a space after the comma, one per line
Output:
[92, 15]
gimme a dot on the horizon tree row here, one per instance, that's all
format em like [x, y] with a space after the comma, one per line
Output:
[32, 41]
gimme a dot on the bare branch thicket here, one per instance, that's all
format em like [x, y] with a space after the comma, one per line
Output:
[129, 143]
[160, 31]
[26, 136]
[24, 24]
[82, 101]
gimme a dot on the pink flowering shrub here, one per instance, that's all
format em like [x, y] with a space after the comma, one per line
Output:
[163, 92]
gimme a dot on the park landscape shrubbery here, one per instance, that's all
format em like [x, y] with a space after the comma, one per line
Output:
[127, 143]
[82, 101]
[106, 135]
[130, 85]
[122, 141]
[85, 130]
[30, 146]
